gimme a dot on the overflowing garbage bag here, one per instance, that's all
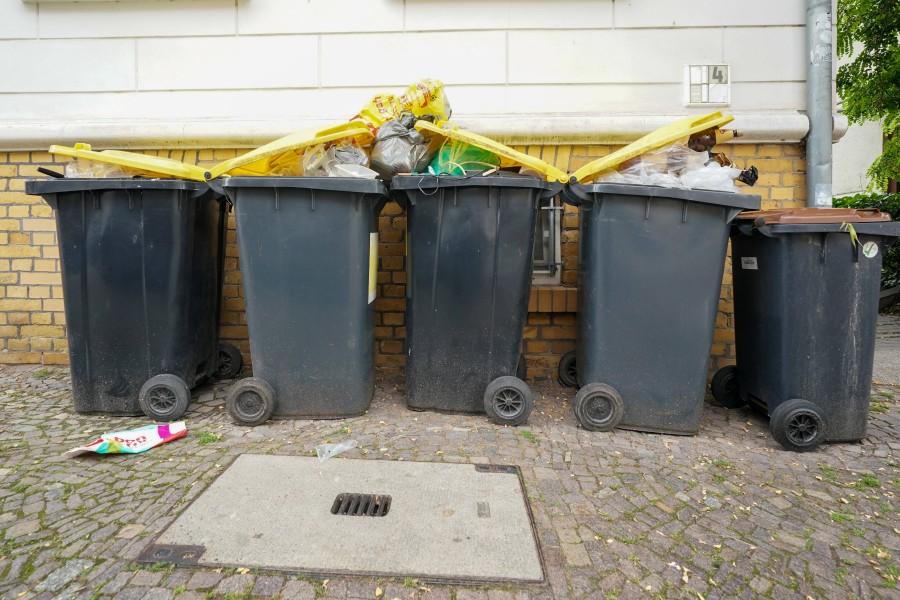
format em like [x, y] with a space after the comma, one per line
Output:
[340, 159]
[456, 158]
[681, 165]
[399, 148]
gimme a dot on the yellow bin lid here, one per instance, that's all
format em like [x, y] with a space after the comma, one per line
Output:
[663, 136]
[139, 164]
[270, 158]
[263, 161]
[508, 156]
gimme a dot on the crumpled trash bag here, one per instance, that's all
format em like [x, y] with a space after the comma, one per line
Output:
[679, 166]
[344, 159]
[399, 148]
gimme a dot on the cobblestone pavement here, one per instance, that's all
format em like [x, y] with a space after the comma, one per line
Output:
[724, 514]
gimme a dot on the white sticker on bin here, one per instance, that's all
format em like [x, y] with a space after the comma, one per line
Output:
[749, 263]
[870, 249]
[373, 265]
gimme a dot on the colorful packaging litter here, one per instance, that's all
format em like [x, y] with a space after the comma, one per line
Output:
[425, 99]
[132, 441]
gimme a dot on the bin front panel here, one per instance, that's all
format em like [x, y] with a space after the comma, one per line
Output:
[650, 273]
[128, 268]
[305, 265]
[806, 307]
[469, 270]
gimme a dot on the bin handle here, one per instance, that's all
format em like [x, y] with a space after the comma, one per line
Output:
[216, 186]
[572, 197]
[436, 187]
[51, 173]
[551, 191]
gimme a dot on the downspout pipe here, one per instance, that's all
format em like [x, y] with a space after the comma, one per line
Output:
[819, 108]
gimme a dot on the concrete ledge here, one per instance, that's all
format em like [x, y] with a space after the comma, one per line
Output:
[768, 127]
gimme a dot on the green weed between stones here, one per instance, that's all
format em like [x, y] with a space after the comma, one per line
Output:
[867, 481]
[206, 437]
[841, 517]
[528, 435]
[829, 473]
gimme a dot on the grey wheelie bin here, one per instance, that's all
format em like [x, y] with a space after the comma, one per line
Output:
[308, 250]
[141, 263]
[469, 266]
[805, 311]
[649, 278]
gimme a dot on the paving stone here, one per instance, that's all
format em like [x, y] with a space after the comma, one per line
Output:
[267, 586]
[146, 578]
[204, 580]
[576, 555]
[62, 576]
[22, 529]
[235, 584]
[298, 590]
[129, 531]
[780, 503]
[131, 593]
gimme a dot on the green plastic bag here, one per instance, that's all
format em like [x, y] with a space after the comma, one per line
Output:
[455, 158]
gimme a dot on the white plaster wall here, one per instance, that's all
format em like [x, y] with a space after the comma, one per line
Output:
[146, 64]
[853, 155]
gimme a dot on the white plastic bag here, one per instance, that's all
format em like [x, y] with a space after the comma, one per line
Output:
[712, 176]
[326, 451]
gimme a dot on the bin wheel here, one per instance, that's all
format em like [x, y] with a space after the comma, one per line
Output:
[599, 407]
[508, 401]
[522, 368]
[250, 402]
[230, 362]
[567, 370]
[798, 425]
[726, 389]
[164, 397]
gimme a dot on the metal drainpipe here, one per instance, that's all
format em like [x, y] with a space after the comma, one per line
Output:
[819, 103]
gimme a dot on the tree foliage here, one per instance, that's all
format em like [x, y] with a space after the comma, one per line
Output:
[889, 203]
[868, 31]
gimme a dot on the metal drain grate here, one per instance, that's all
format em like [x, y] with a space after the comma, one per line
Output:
[361, 505]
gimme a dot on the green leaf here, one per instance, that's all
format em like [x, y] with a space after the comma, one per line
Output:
[853, 237]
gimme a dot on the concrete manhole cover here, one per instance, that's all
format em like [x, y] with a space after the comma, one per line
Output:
[465, 523]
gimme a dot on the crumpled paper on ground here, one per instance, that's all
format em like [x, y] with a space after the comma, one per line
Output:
[132, 441]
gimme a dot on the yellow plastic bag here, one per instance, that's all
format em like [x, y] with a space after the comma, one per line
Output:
[423, 98]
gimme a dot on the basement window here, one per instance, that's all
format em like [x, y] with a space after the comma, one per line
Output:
[547, 233]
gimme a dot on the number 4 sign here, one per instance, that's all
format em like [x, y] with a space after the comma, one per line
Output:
[707, 84]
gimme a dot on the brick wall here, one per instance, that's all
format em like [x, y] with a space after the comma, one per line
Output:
[32, 321]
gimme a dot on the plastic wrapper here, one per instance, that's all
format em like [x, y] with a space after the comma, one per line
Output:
[676, 166]
[456, 158]
[344, 159]
[425, 99]
[326, 451]
[712, 176]
[91, 169]
[399, 148]
[132, 441]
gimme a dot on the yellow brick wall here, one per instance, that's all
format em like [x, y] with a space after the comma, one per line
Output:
[32, 321]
